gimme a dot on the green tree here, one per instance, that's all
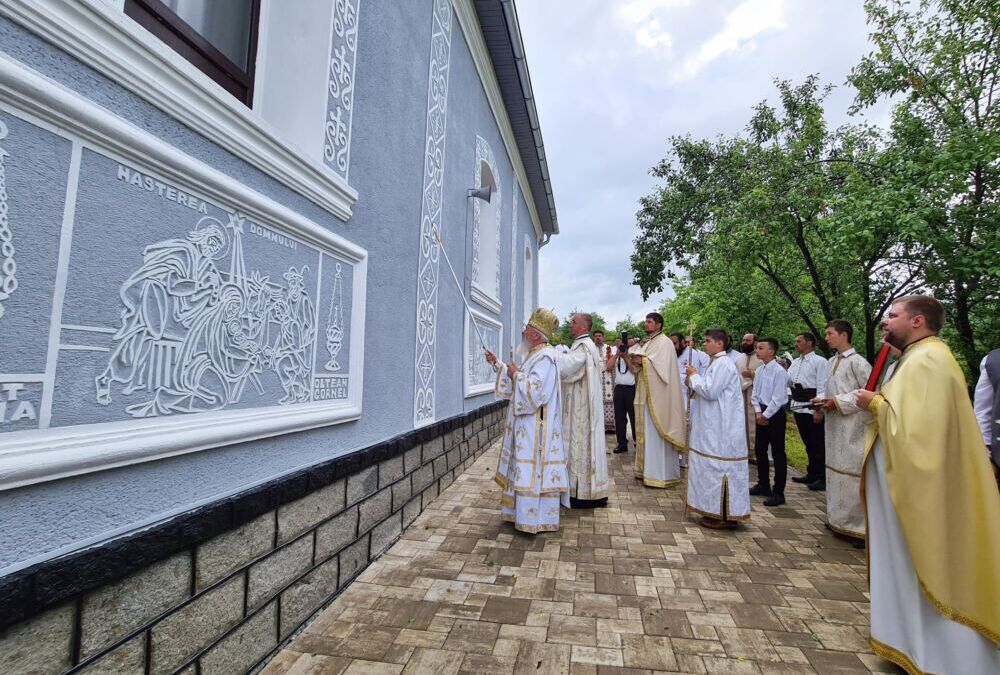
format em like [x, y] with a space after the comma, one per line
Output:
[635, 329]
[941, 59]
[739, 301]
[564, 336]
[785, 202]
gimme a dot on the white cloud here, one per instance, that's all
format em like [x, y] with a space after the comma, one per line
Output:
[749, 19]
[640, 16]
[608, 106]
[637, 11]
[652, 36]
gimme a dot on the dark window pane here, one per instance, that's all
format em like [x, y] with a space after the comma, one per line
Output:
[225, 24]
[218, 36]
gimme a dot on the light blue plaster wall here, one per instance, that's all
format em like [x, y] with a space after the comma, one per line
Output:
[387, 158]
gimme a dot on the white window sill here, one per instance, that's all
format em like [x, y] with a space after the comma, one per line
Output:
[101, 36]
[485, 299]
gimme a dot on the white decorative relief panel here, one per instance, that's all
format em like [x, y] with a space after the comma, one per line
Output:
[161, 307]
[424, 406]
[479, 375]
[340, 105]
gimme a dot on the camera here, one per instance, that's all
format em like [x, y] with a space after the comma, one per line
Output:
[624, 338]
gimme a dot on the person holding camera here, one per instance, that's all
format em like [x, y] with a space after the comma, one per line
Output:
[807, 375]
[624, 393]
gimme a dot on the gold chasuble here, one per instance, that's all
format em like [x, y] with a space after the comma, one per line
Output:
[658, 408]
[924, 445]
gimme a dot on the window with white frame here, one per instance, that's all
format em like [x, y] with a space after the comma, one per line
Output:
[486, 227]
[218, 38]
[259, 78]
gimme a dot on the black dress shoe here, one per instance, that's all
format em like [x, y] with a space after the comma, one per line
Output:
[776, 499]
[618, 451]
[760, 490]
[819, 485]
[803, 479]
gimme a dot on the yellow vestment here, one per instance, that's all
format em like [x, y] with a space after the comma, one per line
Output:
[941, 485]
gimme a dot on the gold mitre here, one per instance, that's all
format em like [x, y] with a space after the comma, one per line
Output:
[545, 321]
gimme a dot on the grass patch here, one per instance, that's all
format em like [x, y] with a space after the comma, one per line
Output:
[794, 449]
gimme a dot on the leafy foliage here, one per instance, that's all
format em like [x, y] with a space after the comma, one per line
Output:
[563, 334]
[791, 224]
[942, 59]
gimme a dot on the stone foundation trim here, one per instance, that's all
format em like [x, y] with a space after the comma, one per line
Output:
[30, 591]
[181, 615]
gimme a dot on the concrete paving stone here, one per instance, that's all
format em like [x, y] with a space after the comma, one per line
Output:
[634, 587]
[482, 664]
[574, 630]
[362, 667]
[834, 663]
[667, 622]
[411, 614]
[543, 659]
[645, 651]
[472, 637]
[506, 610]
[720, 666]
[595, 605]
[755, 616]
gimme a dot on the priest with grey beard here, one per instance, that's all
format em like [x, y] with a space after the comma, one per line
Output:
[583, 416]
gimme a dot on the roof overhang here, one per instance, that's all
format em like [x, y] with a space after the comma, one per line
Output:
[502, 33]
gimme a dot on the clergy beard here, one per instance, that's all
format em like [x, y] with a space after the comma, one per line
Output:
[521, 352]
[891, 338]
[746, 349]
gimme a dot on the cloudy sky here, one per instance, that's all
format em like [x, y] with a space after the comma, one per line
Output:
[614, 79]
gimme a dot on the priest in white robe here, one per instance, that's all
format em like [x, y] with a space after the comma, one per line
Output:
[687, 355]
[532, 467]
[932, 508]
[583, 416]
[659, 413]
[718, 474]
[847, 371]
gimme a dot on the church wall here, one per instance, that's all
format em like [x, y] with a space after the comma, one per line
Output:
[377, 245]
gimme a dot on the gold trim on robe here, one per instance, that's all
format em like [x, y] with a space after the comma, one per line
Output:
[941, 484]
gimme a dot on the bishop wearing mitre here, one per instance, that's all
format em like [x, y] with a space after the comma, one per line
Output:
[583, 416]
[532, 468]
[659, 411]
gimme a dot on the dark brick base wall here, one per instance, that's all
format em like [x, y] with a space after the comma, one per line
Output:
[218, 589]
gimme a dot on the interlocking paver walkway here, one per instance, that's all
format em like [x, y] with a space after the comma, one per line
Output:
[634, 587]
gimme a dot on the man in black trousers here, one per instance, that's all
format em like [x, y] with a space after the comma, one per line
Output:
[770, 394]
[807, 375]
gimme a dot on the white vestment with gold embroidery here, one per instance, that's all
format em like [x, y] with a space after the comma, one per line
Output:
[718, 474]
[583, 419]
[845, 443]
[532, 468]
